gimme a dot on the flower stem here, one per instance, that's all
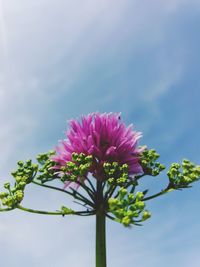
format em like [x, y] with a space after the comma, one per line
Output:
[74, 193]
[100, 228]
[100, 240]
[164, 191]
[39, 211]
[6, 209]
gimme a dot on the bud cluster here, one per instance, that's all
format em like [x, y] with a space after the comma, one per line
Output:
[23, 175]
[77, 168]
[127, 206]
[182, 175]
[116, 174]
[149, 162]
[46, 171]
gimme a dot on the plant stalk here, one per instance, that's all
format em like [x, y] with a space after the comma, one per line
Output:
[100, 228]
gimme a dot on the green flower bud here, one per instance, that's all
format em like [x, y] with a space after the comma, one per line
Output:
[133, 207]
[122, 192]
[14, 173]
[111, 180]
[73, 178]
[125, 176]
[124, 202]
[156, 156]
[175, 165]
[115, 165]
[28, 162]
[18, 179]
[197, 170]
[146, 215]
[157, 164]
[83, 169]
[186, 161]
[186, 180]
[155, 172]
[162, 167]
[20, 163]
[170, 175]
[144, 162]
[74, 156]
[19, 194]
[126, 221]
[4, 201]
[70, 165]
[111, 172]
[8, 201]
[124, 168]
[139, 195]
[113, 201]
[174, 171]
[130, 214]
[194, 177]
[51, 152]
[140, 205]
[107, 166]
[7, 186]
[119, 213]
[130, 197]
[121, 180]
[82, 156]
[35, 167]
[89, 159]
[3, 195]
[21, 185]
[28, 172]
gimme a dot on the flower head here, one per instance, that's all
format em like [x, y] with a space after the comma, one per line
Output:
[106, 138]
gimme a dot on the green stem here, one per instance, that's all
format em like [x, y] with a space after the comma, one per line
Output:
[100, 228]
[6, 209]
[100, 240]
[73, 193]
[91, 185]
[168, 189]
[81, 197]
[87, 189]
[51, 187]
[80, 213]
[39, 211]
[110, 192]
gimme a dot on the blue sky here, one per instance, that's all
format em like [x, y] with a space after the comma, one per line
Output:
[60, 59]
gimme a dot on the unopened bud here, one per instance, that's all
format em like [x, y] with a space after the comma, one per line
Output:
[139, 195]
[126, 221]
[146, 215]
[7, 186]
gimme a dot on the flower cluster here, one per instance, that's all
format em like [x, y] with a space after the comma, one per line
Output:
[77, 169]
[23, 175]
[116, 174]
[149, 162]
[182, 175]
[46, 171]
[127, 206]
[106, 138]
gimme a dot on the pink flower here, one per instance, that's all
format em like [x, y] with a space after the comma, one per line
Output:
[106, 138]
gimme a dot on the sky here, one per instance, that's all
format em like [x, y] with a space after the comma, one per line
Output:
[60, 59]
